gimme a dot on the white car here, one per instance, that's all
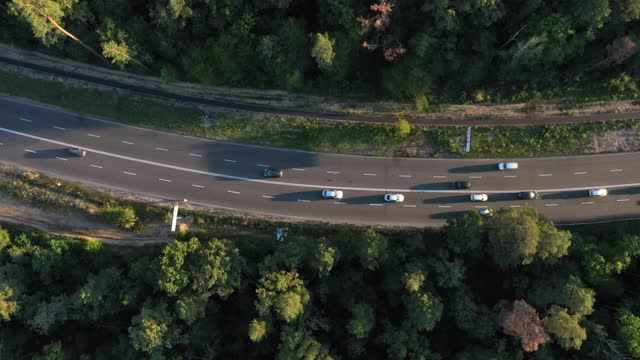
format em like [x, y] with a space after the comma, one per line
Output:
[485, 212]
[598, 192]
[508, 166]
[396, 198]
[332, 194]
[77, 152]
[479, 197]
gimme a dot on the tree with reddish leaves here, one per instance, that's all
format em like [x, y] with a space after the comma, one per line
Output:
[379, 22]
[521, 321]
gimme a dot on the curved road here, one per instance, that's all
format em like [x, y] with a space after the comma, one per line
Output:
[225, 175]
[323, 115]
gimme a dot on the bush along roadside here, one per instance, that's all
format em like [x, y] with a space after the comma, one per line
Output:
[398, 139]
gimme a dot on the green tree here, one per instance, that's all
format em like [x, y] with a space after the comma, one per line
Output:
[102, 293]
[173, 276]
[424, 310]
[49, 314]
[124, 217]
[52, 351]
[629, 332]
[152, 330]
[5, 239]
[9, 296]
[191, 308]
[565, 328]
[322, 50]
[465, 234]
[362, 320]
[629, 9]
[476, 320]
[413, 280]
[324, 257]
[592, 12]
[283, 292]
[372, 249]
[257, 330]
[297, 343]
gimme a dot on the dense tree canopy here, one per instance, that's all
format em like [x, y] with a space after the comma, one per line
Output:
[406, 49]
[321, 294]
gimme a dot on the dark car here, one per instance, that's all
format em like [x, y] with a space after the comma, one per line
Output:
[273, 173]
[528, 195]
[460, 184]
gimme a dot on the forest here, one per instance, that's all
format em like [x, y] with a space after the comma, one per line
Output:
[510, 286]
[414, 50]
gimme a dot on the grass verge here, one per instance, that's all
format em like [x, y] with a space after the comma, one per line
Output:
[316, 135]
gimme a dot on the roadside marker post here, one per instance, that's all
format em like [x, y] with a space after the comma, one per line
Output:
[468, 139]
[175, 218]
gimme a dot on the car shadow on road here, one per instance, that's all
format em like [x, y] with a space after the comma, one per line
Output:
[565, 195]
[448, 215]
[447, 199]
[47, 154]
[364, 200]
[314, 195]
[474, 168]
[634, 190]
[446, 185]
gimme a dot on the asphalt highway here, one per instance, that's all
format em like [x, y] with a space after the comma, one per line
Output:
[229, 176]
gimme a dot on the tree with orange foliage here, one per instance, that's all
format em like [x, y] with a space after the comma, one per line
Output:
[521, 321]
[380, 22]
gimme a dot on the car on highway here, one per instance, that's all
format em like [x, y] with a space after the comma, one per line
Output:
[395, 198]
[598, 192]
[485, 211]
[508, 166]
[332, 194]
[527, 195]
[273, 173]
[478, 197]
[77, 152]
[460, 185]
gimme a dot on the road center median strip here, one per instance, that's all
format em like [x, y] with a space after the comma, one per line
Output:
[280, 183]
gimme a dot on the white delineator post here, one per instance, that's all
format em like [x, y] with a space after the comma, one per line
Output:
[468, 139]
[175, 218]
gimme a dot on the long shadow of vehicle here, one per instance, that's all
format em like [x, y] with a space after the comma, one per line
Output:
[634, 190]
[448, 215]
[48, 154]
[447, 199]
[364, 200]
[566, 195]
[434, 186]
[474, 168]
[313, 195]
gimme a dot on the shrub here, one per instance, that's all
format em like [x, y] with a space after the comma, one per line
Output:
[124, 217]
[403, 128]
[421, 102]
[480, 96]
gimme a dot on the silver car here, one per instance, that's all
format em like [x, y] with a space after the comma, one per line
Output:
[77, 152]
[508, 166]
[332, 194]
[478, 197]
[396, 198]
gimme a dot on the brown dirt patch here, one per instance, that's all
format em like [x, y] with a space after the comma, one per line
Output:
[614, 141]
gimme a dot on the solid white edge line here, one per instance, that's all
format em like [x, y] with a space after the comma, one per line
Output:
[312, 186]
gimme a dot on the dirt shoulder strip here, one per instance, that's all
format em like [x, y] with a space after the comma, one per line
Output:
[322, 115]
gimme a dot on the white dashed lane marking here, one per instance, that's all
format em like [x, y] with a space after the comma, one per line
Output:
[30, 151]
[127, 142]
[514, 206]
[93, 135]
[60, 158]
[622, 200]
[481, 206]
[615, 170]
[439, 176]
[333, 172]
[267, 197]
[233, 192]
[198, 186]
[263, 165]
[297, 169]
[405, 176]
[587, 203]
[1, 144]
[510, 176]
[59, 128]
[162, 149]
[375, 204]
[339, 203]
[303, 200]
[579, 173]
[409, 206]
[230, 161]
[444, 206]
[369, 174]
[475, 177]
[196, 155]
[129, 173]
[96, 166]
[165, 180]
[23, 119]
[545, 174]
[550, 205]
